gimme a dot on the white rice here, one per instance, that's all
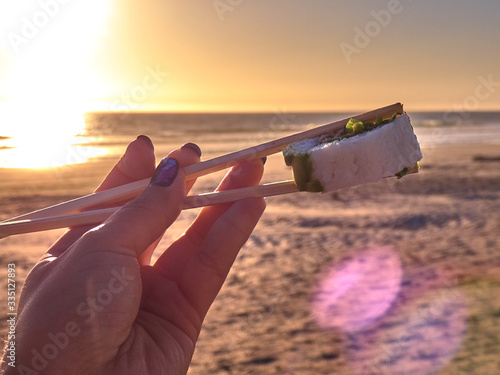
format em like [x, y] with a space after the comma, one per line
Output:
[364, 158]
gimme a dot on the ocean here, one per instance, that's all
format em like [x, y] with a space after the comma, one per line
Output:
[432, 128]
[106, 134]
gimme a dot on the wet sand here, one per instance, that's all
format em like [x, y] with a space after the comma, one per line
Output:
[397, 277]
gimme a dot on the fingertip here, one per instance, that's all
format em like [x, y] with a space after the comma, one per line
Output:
[141, 144]
[137, 163]
[186, 155]
[138, 156]
[193, 147]
[145, 140]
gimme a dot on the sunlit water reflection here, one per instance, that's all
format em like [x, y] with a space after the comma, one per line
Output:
[43, 137]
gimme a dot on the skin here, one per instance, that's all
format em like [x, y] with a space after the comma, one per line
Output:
[95, 305]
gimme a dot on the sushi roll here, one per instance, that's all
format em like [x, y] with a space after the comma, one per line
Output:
[361, 152]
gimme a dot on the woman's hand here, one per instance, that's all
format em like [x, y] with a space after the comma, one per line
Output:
[94, 304]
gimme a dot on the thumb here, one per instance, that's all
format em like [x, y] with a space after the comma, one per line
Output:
[142, 221]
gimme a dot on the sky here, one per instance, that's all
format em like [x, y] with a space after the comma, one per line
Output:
[250, 55]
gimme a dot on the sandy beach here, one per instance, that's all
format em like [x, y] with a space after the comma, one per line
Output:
[397, 277]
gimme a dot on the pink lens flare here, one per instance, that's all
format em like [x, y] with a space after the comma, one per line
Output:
[420, 337]
[358, 291]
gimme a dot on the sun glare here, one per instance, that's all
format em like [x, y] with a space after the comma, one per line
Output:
[49, 84]
[42, 137]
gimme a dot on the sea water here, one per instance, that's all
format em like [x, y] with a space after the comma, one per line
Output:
[106, 134]
[432, 128]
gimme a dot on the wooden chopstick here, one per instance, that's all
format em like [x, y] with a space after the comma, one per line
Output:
[193, 201]
[128, 191]
[98, 216]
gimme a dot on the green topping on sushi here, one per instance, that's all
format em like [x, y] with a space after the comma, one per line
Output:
[302, 171]
[405, 171]
[359, 127]
[301, 161]
[401, 174]
[288, 158]
[314, 187]
[354, 127]
[349, 127]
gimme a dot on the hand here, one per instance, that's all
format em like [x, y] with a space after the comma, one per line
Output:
[94, 304]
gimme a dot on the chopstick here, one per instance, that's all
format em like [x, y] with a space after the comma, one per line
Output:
[133, 189]
[98, 216]
[193, 201]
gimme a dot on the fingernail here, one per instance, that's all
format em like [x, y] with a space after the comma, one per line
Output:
[264, 159]
[192, 146]
[146, 138]
[165, 173]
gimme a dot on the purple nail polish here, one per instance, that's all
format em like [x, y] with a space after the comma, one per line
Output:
[165, 173]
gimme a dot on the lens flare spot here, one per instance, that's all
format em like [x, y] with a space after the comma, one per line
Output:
[421, 337]
[356, 292]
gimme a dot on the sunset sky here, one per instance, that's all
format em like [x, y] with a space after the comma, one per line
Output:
[251, 55]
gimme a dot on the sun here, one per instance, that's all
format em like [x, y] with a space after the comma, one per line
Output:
[42, 136]
[49, 82]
